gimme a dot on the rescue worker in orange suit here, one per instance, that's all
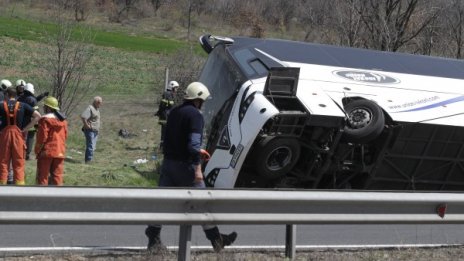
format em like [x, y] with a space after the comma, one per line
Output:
[50, 147]
[5, 84]
[13, 115]
[181, 165]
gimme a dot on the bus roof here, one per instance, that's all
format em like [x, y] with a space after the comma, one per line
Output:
[311, 53]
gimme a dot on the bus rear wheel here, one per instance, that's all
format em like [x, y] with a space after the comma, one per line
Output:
[365, 121]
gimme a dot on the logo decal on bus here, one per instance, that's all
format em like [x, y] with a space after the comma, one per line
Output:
[367, 77]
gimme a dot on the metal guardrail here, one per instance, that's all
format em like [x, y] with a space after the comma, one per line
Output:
[187, 207]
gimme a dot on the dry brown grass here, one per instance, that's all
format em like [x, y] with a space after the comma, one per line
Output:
[407, 254]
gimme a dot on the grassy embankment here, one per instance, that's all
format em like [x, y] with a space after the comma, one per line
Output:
[129, 71]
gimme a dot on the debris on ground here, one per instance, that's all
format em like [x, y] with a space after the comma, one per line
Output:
[140, 161]
[123, 133]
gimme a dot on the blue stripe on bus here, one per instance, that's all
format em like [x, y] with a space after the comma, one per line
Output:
[438, 104]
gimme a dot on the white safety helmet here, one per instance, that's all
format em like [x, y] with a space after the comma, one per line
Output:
[29, 87]
[5, 84]
[20, 82]
[172, 85]
[196, 90]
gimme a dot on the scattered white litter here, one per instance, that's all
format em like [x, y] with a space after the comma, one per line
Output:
[140, 161]
[76, 151]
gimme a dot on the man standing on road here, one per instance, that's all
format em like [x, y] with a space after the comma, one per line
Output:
[182, 160]
[165, 105]
[13, 115]
[91, 126]
[51, 144]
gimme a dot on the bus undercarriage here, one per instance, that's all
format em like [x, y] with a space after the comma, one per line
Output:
[403, 157]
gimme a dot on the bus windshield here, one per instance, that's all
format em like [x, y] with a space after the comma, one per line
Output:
[223, 78]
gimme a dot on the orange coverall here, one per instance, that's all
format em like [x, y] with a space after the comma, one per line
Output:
[12, 148]
[50, 149]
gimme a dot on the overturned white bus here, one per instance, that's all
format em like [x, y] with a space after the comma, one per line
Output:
[293, 114]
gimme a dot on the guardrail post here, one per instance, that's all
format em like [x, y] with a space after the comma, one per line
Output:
[185, 242]
[290, 241]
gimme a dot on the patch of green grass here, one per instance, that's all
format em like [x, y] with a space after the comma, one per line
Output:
[38, 31]
[113, 71]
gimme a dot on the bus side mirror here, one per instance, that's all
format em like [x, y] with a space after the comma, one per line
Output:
[208, 41]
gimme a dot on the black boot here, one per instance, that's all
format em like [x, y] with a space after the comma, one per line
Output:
[219, 240]
[154, 241]
[229, 239]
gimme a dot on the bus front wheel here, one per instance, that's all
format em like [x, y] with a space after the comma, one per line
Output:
[276, 157]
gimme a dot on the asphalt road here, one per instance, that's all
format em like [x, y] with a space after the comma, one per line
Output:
[23, 236]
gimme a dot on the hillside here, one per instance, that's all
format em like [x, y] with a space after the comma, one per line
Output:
[129, 75]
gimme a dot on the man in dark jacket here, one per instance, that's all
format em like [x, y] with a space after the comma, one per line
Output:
[28, 97]
[166, 104]
[182, 159]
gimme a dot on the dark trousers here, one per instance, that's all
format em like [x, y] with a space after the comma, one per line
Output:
[29, 143]
[178, 174]
[163, 131]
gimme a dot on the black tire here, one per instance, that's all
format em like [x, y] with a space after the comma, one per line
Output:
[365, 121]
[273, 158]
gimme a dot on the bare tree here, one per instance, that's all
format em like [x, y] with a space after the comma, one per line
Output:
[316, 19]
[121, 9]
[189, 8]
[246, 16]
[278, 12]
[81, 9]
[391, 24]
[68, 57]
[184, 67]
[157, 5]
[454, 21]
[346, 21]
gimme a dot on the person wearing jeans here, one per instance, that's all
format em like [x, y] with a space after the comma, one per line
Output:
[91, 137]
[91, 126]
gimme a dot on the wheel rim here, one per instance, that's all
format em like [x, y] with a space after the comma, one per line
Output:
[359, 118]
[279, 158]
